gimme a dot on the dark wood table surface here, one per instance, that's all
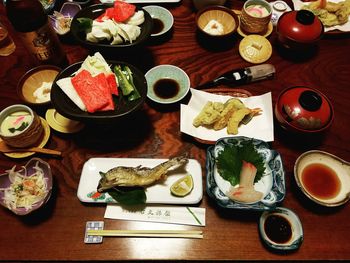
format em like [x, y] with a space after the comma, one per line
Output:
[56, 231]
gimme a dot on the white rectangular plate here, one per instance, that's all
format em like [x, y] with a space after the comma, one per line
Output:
[158, 193]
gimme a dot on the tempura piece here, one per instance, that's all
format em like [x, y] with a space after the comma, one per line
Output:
[230, 107]
[245, 192]
[209, 114]
[235, 119]
[330, 13]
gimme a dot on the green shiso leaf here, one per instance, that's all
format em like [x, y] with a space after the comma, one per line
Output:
[229, 161]
[128, 196]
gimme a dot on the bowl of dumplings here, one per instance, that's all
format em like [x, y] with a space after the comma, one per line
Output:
[109, 27]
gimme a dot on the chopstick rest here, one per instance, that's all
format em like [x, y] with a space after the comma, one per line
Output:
[94, 233]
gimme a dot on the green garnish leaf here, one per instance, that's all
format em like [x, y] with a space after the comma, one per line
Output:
[229, 161]
[128, 196]
[85, 24]
[20, 128]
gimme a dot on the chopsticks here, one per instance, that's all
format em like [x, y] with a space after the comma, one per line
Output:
[147, 233]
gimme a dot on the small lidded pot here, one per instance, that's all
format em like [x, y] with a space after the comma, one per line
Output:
[20, 126]
[304, 110]
[298, 30]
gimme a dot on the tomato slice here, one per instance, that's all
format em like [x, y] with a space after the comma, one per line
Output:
[123, 11]
[108, 14]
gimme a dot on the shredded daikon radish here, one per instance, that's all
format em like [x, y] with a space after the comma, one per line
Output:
[25, 190]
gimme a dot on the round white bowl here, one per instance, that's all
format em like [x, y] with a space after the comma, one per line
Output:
[169, 72]
[163, 15]
[340, 168]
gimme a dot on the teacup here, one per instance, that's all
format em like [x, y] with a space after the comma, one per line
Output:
[256, 16]
[20, 126]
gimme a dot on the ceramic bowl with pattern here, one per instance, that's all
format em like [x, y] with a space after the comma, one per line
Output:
[34, 167]
[281, 229]
[272, 183]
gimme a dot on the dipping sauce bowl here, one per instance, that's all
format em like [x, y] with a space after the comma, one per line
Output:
[323, 177]
[281, 229]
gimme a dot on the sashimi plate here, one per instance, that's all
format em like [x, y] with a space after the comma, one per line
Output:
[272, 184]
[159, 193]
[65, 106]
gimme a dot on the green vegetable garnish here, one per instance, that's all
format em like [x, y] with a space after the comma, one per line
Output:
[20, 128]
[128, 195]
[85, 24]
[134, 95]
[229, 161]
[126, 82]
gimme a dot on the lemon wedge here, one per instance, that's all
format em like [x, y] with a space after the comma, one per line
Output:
[183, 186]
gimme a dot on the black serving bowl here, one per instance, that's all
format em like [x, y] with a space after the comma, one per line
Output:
[95, 11]
[123, 108]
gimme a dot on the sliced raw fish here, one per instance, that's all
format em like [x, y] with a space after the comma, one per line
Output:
[88, 90]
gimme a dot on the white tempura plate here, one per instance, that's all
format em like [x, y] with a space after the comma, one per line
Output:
[158, 193]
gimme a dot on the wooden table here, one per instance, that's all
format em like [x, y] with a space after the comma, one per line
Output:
[56, 232]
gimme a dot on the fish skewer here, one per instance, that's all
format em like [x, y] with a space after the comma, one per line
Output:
[137, 176]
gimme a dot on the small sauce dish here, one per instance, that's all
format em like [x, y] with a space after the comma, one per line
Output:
[162, 18]
[281, 229]
[61, 20]
[323, 177]
[167, 84]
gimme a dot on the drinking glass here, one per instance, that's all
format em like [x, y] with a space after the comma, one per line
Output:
[7, 46]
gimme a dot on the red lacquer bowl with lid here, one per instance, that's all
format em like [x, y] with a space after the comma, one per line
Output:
[299, 29]
[304, 110]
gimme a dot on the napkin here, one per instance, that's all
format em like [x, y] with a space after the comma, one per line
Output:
[260, 127]
[345, 27]
[165, 214]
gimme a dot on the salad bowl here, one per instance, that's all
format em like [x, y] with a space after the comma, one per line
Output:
[123, 107]
[272, 183]
[93, 12]
[29, 169]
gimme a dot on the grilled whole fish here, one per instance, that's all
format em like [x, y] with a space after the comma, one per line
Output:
[137, 176]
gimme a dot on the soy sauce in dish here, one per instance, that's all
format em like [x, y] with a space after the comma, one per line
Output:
[278, 229]
[166, 88]
[320, 181]
[158, 26]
